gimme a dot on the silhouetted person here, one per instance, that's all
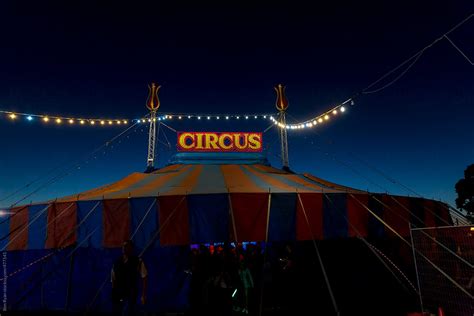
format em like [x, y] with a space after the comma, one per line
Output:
[125, 274]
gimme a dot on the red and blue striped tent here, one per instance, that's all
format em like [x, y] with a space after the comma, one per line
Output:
[195, 199]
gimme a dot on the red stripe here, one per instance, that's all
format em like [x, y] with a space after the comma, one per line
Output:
[444, 214]
[250, 215]
[396, 215]
[62, 219]
[116, 217]
[313, 205]
[430, 211]
[357, 215]
[174, 220]
[19, 233]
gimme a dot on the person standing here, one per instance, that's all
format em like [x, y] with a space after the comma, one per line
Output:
[247, 284]
[126, 271]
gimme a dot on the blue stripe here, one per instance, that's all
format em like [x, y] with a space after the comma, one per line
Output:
[210, 180]
[335, 215]
[91, 267]
[26, 281]
[93, 222]
[138, 209]
[208, 217]
[174, 181]
[375, 228]
[36, 230]
[282, 226]
[259, 182]
[55, 284]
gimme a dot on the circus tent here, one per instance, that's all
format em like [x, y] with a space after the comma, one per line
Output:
[66, 246]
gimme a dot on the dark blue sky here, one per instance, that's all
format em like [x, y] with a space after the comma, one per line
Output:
[96, 60]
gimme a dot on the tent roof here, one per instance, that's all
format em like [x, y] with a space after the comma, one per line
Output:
[210, 174]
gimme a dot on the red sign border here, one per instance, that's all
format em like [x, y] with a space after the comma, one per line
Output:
[180, 149]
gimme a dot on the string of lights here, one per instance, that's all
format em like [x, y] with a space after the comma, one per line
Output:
[66, 120]
[316, 120]
[58, 120]
[209, 117]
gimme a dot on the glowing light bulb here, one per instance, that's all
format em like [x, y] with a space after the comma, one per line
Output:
[92, 122]
[71, 121]
[119, 122]
[237, 117]
[12, 116]
[208, 117]
[189, 116]
[58, 120]
[246, 117]
[342, 109]
[334, 112]
[179, 117]
[125, 122]
[226, 117]
[110, 122]
[199, 117]
[255, 116]
[217, 117]
[264, 116]
[82, 122]
[326, 117]
[29, 118]
[102, 122]
[320, 120]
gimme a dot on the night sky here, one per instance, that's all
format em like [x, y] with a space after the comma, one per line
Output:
[96, 61]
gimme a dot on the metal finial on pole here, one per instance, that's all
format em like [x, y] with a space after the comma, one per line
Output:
[282, 105]
[152, 103]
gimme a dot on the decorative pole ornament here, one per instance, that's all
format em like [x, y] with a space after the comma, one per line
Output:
[152, 103]
[281, 105]
[281, 101]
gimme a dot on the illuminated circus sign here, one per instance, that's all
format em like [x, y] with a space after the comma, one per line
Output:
[217, 141]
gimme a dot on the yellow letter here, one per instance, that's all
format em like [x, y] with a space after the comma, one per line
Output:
[211, 141]
[222, 139]
[255, 141]
[182, 140]
[237, 140]
[199, 140]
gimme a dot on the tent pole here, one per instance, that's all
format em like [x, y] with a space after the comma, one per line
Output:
[416, 269]
[231, 211]
[282, 106]
[265, 252]
[69, 282]
[318, 254]
[153, 103]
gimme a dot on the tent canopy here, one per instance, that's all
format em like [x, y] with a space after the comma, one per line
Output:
[214, 198]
